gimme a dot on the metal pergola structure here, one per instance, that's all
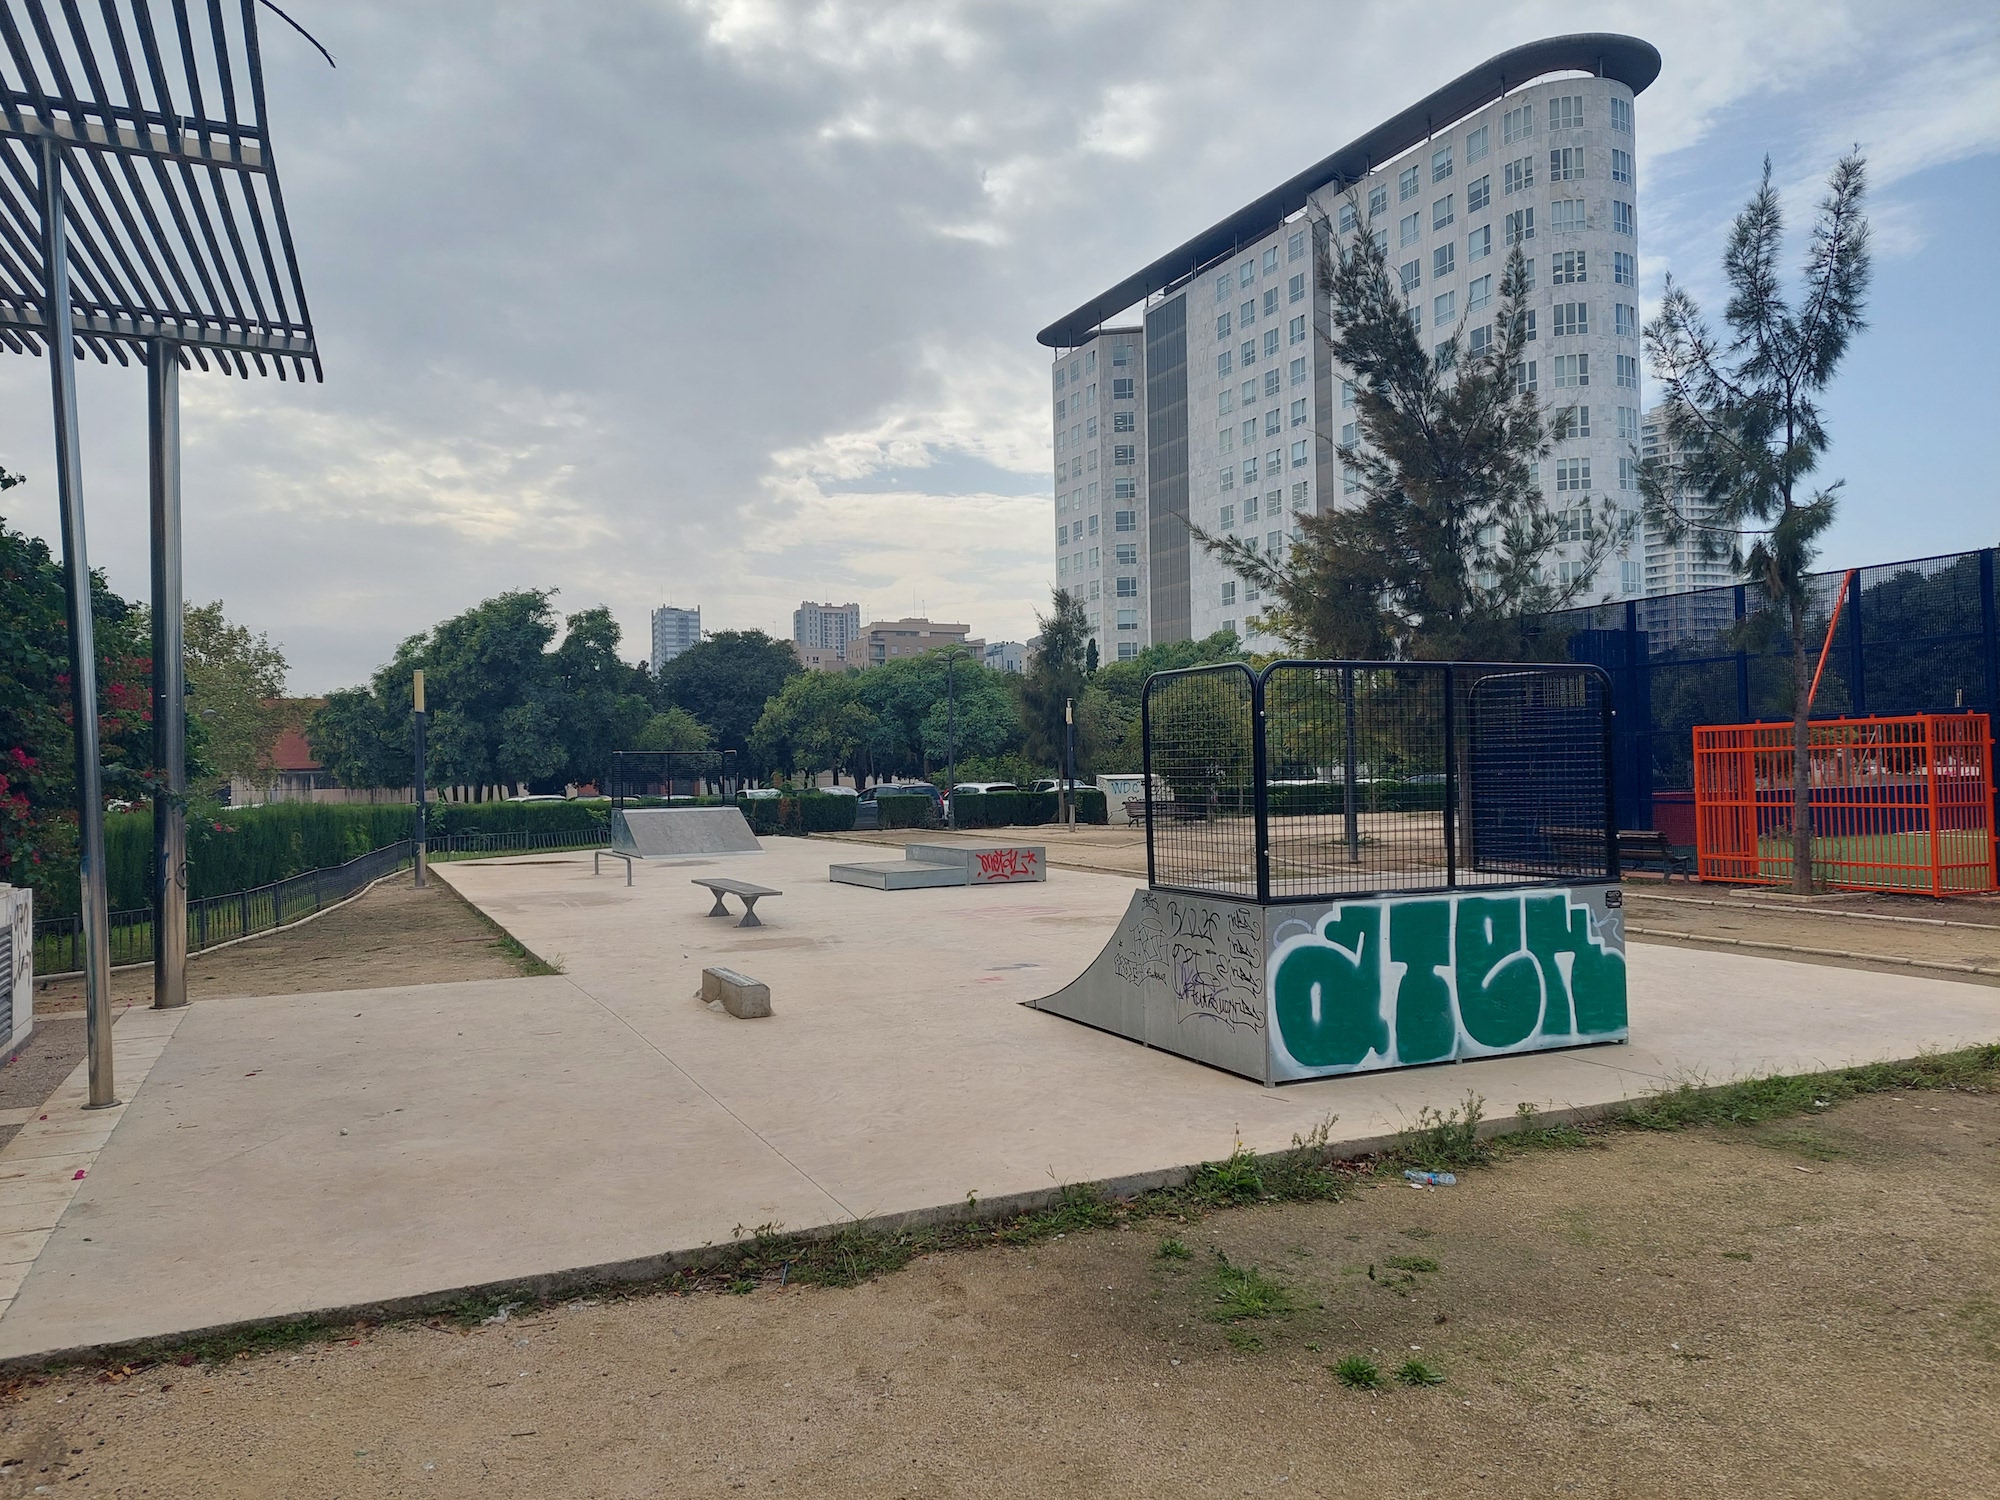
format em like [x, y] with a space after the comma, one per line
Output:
[140, 220]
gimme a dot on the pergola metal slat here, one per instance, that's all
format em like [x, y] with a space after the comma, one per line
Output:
[113, 260]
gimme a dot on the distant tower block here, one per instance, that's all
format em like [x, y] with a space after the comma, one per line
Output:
[674, 630]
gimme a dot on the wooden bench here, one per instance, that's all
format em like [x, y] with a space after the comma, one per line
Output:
[741, 889]
[597, 855]
[1586, 845]
[1171, 812]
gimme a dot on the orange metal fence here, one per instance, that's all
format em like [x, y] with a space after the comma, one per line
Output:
[1897, 804]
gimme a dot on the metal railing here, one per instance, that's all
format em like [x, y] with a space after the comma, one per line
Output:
[215, 920]
[1317, 780]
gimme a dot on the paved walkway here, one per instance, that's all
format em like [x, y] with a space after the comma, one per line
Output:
[328, 1151]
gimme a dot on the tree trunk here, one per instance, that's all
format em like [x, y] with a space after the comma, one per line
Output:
[1802, 829]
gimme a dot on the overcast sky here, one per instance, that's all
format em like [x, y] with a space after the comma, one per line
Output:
[733, 302]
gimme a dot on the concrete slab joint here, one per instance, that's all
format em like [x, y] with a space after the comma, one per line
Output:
[741, 996]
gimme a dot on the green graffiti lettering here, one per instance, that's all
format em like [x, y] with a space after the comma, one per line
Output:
[1499, 983]
[1596, 979]
[1549, 935]
[1420, 939]
[1328, 1003]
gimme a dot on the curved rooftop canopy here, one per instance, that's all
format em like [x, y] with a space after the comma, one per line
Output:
[175, 225]
[1632, 62]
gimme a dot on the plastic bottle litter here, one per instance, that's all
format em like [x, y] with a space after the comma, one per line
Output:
[1430, 1179]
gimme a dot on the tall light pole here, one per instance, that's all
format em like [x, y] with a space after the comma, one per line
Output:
[417, 736]
[1069, 762]
[951, 659]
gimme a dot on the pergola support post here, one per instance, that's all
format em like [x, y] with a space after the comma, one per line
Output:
[82, 633]
[163, 413]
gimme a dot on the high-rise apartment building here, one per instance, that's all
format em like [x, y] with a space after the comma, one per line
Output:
[1100, 484]
[1677, 566]
[892, 640]
[826, 628]
[674, 630]
[1241, 406]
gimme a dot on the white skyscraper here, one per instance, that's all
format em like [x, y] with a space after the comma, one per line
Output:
[827, 628]
[1100, 458]
[674, 630]
[1242, 406]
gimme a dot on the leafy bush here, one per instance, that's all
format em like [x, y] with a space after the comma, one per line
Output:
[1026, 809]
[916, 811]
[819, 813]
[1321, 798]
[582, 817]
[813, 812]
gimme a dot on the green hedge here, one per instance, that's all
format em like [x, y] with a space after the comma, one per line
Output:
[908, 812]
[518, 817]
[1023, 809]
[1373, 796]
[814, 812]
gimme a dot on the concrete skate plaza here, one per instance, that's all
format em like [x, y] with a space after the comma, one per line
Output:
[315, 1152]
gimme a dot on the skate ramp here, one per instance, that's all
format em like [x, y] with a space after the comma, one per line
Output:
[681, 832]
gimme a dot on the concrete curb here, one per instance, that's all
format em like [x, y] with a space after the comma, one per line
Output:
[638, 1271]
[1892, 959]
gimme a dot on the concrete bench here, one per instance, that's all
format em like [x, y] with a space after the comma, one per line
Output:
[597, 858]
[741, 889]
[741, 996]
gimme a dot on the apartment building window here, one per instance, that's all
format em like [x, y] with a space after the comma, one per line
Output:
[1093, 559]
[1299, 412]
[1624, 268]
[1295, 247]
[1250, 431]
[1444, 311]
[1566, 164]
[1274, 463]
[1572, 319]
[1249, 395]
[1225, 401]
[1227, 479]
[1126, 554]
[1346, 393]
[1270, 352]
[1295, 291]
[1299, 371]
[1093, 532]
[1222, 326]
[1250, 471]
[1628, 474]
[1570, 524]
[1407, 184]
[1225, 438]
[1475, 145]
[1567, 216]
[1062, 566]
[1441, 164]
[1128, 619]
[1121, 388]
[1479, 195]
[1572, 474]
[1572, 370]
[1121, 356]
[1124, 421]
[1621, 116]
[1416, 317]
[1519, 175]
[1528, 326]
[1444, 262]
[1517, 124]
[1299, 491]
[1479, 243]
[1479, 293]
[1621, 218]
[1441, 213]
[1062, 376]
[1625, 320]
[1090, 459]
[1628, 372]
[1628, 423]
[1223, 287]
[1062, 536]
[1296, 330]
[1229, 593]
[1410, 230]
[1274, 421]
[1092, 487]
[1378, 200]
[1524, 378]
[1128, 588]
[1568, 267]
[1124, 489]
[1350, 435]
[1270, 259]
[1124, 520]
[1299, 454]
[1270, 301]
[1479, 343]
[1090, 427]
[1518, 227]
[1381, 239]
[1350, 480]
[1224, 363]
[1128, 650]
[1566, 112]
[1621, 165]
[1412, 273]
[1246, 353]
[1247, 313]
[1247, 272]
[1124, 455]
[1571, 422]
[1249, 508]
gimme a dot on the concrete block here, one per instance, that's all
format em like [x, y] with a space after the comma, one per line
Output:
[987, 864]
[743, 997]
[898, 875]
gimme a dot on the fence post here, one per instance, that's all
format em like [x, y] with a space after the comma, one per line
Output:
[1742, 658]
[1857, 662]
[1989, 631]
[1146, 772]
[1350, 768]
[1260, 791]
[1450, 782]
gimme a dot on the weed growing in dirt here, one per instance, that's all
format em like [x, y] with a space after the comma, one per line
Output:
[1359, 1372]
[1419, 1372]
[1755, 1100]
[1235, 1179]
[1172, 1248]
[1447, 1142]
[1412, 1263]
[1244, 1292]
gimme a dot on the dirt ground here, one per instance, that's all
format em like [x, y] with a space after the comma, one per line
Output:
[1807, 1308]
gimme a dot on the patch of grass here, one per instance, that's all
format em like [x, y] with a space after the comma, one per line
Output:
[1803, 1141]
[1173, 1248]
[1242, 1293]
[1442, 1142]
[1419, 1372]
[1753, 1101]
[1242, 1338]
[1411, 1263]
[1360, 1373]
[1234, 1179]
[1418, 1232]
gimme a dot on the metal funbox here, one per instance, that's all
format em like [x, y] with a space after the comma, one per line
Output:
[1362, 865]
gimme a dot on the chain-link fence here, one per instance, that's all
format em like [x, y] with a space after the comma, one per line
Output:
[1313, 780]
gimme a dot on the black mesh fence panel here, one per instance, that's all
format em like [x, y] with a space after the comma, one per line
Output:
[1537, 769]
[1201, 823]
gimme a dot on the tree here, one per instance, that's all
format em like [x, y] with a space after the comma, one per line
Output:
[1448, 549]
[674, 729]
[603, 704]
[1055, 677]
[1109, 711]
[911, 708]
[1743, 428]
[816, 722]
[236, 684]
[726, 679]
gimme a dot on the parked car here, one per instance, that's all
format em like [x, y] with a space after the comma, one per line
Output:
[868, 815]
[540, 797]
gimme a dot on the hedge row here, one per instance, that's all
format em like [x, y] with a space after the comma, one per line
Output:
[908, 812]
[1023, 809]
[813, 812]
[1372, 796]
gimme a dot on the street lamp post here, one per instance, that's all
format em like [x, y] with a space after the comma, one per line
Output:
[951, 660]
[1069, 762]
[417, 717]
